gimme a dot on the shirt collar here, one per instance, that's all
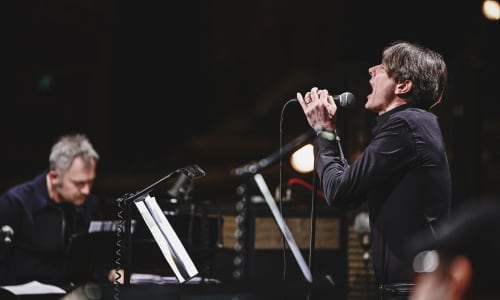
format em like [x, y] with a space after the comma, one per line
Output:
[383, 117]
[43, 197]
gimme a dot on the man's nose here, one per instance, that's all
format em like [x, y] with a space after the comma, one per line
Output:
[86, 188]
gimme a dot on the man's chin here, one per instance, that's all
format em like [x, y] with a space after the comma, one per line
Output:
[79, 201]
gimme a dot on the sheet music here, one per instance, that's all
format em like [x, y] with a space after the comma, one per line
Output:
[33, 288]
[283, 226]
[166, 238]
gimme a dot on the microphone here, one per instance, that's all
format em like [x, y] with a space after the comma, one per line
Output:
[6, 233]
[182, 187]
[345, 100]
[192, 172]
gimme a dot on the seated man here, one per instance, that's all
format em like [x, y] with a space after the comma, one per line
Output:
[45, 212]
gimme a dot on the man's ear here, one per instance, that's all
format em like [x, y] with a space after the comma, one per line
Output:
[404, 87]
[53, 177]
[460, 272]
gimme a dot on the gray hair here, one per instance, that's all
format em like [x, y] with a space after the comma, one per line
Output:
[424, 67]
[67, 148]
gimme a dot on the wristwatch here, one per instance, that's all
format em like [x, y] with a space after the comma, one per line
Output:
[327, 134]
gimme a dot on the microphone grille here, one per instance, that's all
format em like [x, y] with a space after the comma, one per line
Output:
[347, 99]
[193, 171]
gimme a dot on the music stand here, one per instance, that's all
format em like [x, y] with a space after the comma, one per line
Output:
[170, 245]
[166, 238]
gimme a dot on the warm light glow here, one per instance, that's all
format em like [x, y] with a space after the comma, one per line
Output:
[491, 10]
[302, 160]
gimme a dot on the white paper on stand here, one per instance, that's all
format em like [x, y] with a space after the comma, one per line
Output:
[166, 238]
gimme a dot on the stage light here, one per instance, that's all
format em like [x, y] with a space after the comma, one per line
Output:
[362, 227]
[491, 10]
[302, 160]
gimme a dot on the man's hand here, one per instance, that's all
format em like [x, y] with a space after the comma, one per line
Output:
[319, 108]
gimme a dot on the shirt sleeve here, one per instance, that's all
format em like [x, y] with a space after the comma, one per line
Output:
[390, 151]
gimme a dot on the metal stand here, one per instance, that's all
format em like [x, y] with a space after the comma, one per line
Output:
[124, 245]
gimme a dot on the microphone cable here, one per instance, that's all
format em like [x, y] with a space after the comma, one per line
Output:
[280, 186]
[314, 189]
[120, 245]
[119, 248]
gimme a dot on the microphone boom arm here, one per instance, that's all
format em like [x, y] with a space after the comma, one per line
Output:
[192, 171]
[256, 166]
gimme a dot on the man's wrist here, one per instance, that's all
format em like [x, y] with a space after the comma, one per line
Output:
[327, 134]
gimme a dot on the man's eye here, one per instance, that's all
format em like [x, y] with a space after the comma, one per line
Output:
[80, 183]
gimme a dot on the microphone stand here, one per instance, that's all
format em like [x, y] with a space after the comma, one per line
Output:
[254, 167]
[192, 171]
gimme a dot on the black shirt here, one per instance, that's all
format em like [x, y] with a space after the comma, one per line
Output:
[403, 174]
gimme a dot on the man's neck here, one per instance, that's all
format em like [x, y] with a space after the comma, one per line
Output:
[396, 103]
[52, 190]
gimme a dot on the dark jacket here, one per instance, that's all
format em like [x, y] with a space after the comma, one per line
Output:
[42, 229]
[404, 175]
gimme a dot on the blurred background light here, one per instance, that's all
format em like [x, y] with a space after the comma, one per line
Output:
[302, 160]
[491, 10]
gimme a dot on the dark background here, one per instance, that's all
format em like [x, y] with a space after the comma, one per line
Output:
[160, 85]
